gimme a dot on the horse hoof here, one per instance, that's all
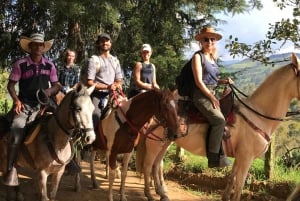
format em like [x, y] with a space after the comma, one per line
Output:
[20, 197]
[164, 199]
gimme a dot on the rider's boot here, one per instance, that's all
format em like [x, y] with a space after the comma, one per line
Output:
[10, 178]
[217, 159]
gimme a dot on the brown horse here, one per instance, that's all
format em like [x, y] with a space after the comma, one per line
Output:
[255, 119]
[121, 127]
[50, 151]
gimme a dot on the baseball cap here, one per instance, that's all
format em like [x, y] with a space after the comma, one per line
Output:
[146, 47]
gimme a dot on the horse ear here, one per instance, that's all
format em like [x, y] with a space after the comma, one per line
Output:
[295, 60]
[91, 89]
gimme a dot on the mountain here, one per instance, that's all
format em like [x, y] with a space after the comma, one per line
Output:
[248, 74]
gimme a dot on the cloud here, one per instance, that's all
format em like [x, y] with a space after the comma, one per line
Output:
[252, 27]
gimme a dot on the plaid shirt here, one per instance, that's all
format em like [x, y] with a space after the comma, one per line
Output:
[68, 77]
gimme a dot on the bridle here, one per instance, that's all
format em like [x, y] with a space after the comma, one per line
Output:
[159, 118]
[75, 129]
[234, 89]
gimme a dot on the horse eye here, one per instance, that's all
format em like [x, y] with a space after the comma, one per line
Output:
[77, 108]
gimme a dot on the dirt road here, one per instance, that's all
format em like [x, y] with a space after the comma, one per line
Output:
[134, 188]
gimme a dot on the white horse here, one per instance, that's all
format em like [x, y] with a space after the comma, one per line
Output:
[50, 151]
[255, 119]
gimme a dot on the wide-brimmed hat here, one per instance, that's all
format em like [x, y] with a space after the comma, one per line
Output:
[146, 47]
[37, 38]
[208, 32]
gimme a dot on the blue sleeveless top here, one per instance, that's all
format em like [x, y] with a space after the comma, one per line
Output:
[210, 72]
[146, 74]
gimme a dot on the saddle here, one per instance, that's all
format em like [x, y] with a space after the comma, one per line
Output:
[31, 129]
[189, 113]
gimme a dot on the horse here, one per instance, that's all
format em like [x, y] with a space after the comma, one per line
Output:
[118, 132]
[52, 148]
[295, 195]
[247, 137]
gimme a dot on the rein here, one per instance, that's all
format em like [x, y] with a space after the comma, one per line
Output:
[132, 126]
[233, 88]
[76, 131]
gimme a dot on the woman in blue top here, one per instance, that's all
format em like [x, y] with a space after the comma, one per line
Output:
[144, 73]
[203, 96]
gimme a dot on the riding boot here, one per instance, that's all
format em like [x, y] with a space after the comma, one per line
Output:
[213, 159]
[10, 178]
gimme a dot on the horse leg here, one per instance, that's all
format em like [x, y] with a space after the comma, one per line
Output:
[154, 154]
[93, 177]
[13, 193]
[230, 183]
[55, 179]
[111, 175]
[126, 159]
[157, 171]
[77, 175]
[42, 182]
[238, 177]
[161, 177]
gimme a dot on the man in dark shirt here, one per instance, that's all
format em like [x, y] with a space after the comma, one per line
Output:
[33, 73]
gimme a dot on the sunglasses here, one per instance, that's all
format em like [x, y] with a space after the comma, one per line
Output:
[209, 39]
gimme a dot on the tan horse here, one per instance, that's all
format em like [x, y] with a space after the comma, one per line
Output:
[50, 150]
[121, 127]
[256, 118]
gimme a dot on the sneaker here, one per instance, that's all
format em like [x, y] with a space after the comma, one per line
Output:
[224, 161]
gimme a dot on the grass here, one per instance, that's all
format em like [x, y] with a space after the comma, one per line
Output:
[198, 164]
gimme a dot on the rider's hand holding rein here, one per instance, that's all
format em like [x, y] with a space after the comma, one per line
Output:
[227, 80]
[18, 106]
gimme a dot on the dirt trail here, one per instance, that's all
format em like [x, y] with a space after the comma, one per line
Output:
[134, 188]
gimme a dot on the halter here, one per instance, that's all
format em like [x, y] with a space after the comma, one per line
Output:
[75, 133]
[75, 129]
[132, 126]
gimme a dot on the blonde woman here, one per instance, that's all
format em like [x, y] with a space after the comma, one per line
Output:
[205, 74]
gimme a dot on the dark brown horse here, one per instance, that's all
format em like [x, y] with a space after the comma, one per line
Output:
[50, 150]
[119, 130]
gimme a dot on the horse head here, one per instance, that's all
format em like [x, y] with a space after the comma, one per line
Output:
[168, 111]
[74, 114]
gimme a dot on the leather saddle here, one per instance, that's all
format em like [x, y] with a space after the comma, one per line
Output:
[190, 114]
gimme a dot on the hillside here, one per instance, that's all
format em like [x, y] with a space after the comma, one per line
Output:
[248, 74]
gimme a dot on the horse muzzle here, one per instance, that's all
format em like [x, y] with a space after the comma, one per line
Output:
[90, 136]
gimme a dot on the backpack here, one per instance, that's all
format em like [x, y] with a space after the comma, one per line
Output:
[185, 81]
[84, 73]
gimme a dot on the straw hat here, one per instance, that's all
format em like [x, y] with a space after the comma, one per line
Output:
[37, 38]
[208, 32]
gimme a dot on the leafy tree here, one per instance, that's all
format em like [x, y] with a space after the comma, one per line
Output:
[167, 25]
[286, 30]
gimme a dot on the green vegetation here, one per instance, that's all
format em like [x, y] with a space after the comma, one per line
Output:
[198, 164]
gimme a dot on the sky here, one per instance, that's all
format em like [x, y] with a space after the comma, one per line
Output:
[249, 27]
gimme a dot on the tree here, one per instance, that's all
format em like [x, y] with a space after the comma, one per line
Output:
[279, 33]
[167, 25]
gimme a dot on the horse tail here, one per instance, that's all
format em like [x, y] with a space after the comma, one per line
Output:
[140, 155]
